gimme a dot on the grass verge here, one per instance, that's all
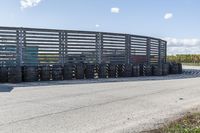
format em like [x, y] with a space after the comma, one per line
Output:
[188, 124]
[191, 64]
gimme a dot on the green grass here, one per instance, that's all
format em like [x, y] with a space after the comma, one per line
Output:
[188, 124]
[191, 64]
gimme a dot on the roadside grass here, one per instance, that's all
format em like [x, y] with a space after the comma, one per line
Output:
[191, 64]
[188, 124]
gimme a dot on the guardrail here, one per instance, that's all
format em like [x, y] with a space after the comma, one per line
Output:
[35, 47]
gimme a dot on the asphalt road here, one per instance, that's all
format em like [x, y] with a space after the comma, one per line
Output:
[104, 106]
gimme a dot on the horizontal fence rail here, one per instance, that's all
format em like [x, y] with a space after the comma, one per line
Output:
[33, 47]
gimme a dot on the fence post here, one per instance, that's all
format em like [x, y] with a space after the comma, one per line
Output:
[19, 48]
[61, 47]
[24, 46]
[148, 51]
[99, 47]
[66, 48]
[128, 48]
[165, 58]
[159, 53]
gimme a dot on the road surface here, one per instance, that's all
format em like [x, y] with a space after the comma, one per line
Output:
[102, 106]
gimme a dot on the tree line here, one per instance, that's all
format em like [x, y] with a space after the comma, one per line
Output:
[185, 58]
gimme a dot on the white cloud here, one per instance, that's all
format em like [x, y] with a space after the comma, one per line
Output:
[97, 25]
[168, 16]
[183, 46]
[29, 3]
[115, 10]
[174, 42]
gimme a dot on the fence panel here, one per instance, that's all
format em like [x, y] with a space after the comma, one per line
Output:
[8, 46]
[163, 51]
[81, 47]
[41, 47]
[114, 48]
[33, 47]
[154, 51]
[138, 49]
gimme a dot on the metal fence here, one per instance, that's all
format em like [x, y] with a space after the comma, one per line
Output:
[32, 47]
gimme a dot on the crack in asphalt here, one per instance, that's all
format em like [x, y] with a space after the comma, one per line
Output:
[100, 104]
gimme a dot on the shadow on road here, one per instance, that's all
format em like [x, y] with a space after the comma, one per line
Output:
[6, 88]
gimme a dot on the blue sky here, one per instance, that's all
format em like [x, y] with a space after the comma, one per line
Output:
[177, 21]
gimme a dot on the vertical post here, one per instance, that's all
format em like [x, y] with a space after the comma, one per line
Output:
[66, 60]
[99, 47]
[159, 53]
[165, 58]
[61, 47]
[17, 48]
[128, 48]
[19, 51]
[60, 43]
[24, 46]
[148, 50]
